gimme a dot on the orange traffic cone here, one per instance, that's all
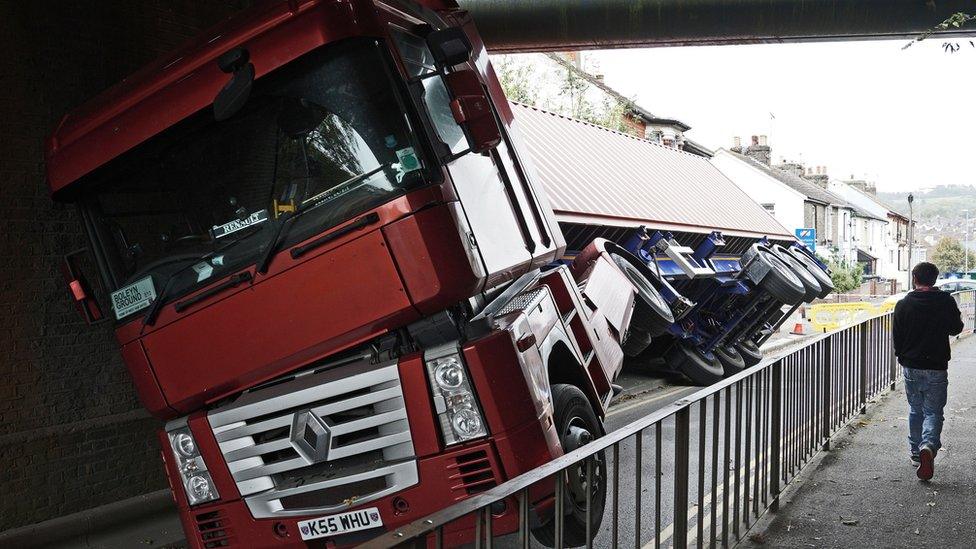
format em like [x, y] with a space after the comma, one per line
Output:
[798, 329]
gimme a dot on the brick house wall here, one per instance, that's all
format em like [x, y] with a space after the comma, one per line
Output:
[72, 432]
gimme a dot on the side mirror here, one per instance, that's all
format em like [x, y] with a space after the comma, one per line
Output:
[81, 292]
[471, 108]
[235, 92]
[449, 46]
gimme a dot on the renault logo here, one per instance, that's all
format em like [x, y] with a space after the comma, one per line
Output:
[310, 436]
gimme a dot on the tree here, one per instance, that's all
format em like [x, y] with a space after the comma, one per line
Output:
[949, 255]
[845, 276]
[573, 87]
[517, 78]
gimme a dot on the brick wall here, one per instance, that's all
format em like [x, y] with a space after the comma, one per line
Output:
[72, 433]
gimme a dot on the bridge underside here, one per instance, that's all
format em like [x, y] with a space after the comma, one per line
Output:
[561, 25]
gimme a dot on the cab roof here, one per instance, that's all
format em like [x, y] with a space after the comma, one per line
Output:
[186, 81]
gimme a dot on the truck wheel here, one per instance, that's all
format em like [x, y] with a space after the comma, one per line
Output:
[826, 283]
[810, 284]
[750, 352]
[780, 282]
[651, 313]
[577, 425]
[690, 361]
[635, 342]
[731, 359]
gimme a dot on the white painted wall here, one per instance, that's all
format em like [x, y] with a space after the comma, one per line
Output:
[871, 234]
[787, 204]
[844, 242]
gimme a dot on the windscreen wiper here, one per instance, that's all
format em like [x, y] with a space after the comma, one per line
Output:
[157, 304]
[308, 204]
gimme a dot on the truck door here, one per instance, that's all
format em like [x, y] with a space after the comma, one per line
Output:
[507, 226]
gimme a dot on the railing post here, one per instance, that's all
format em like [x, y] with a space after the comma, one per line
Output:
[681, 441]
[891, 349]
[827, 387]
[775, 433]
[863, 397]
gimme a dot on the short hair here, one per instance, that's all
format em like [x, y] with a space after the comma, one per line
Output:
[925, 273]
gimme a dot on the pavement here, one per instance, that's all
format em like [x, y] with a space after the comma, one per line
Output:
[864, 492]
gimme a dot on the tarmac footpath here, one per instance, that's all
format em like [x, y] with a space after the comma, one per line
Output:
[863, 493]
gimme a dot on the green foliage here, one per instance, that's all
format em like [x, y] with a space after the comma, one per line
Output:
[950, 256]
[518, 79]
[845, 276]
[573, 88]
[955, 21]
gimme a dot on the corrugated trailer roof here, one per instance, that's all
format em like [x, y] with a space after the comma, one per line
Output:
[600, 176]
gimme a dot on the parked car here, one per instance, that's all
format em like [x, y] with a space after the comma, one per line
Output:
[946, 285]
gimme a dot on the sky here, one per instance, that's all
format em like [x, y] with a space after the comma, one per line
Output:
[902, 118]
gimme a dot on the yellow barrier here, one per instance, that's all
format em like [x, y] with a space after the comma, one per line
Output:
[831, 316]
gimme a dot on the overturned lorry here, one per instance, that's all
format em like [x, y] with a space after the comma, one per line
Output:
[724, 273]
[334, 279]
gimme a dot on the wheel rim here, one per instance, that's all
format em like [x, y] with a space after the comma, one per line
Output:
[645, 289]
[785, 270]
[577, 435]
[810, 283]
[750, 346]
[822, 277]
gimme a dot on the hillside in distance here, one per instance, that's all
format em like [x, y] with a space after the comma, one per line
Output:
[947, 201]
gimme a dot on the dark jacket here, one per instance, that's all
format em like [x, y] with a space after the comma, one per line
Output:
[923, 322]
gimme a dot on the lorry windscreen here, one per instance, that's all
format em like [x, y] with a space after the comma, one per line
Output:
[324, 138]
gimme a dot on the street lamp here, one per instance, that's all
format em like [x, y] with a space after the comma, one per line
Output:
[965, 246]
[911, 238]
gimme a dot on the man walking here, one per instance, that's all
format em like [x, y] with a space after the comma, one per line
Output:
[923, 321]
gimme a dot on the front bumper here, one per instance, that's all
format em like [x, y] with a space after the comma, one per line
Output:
[445, 479]
[519, 441]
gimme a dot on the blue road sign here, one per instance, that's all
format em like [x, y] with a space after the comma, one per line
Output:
[808, 237]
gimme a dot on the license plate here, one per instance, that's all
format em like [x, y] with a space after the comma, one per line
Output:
[134, 297]
[341, 523]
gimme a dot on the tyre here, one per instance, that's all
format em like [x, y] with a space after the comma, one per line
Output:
[577, 425]
[810, 283]
[731, 359]
[689, 360]
[635, 342]
[780, 281]
[750, 352]
[826, 283]
[651, 313]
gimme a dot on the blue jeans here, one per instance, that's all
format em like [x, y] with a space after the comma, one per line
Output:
[926, 392]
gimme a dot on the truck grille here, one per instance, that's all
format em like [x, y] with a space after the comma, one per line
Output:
[320, 441]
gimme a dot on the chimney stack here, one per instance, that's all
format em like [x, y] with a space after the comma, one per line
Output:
[791, 167]
[819, 176]
[759, 150]
[866, 186]
[737, 144]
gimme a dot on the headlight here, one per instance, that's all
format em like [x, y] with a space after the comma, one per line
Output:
[456, 404]
[197, 482]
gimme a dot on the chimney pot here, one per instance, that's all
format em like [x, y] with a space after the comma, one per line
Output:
[755, 140]
[737, 142]
[762, 140]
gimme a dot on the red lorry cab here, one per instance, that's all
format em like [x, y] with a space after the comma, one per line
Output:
[332, 274]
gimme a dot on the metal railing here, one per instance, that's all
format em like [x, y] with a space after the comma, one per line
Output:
[701, 470]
